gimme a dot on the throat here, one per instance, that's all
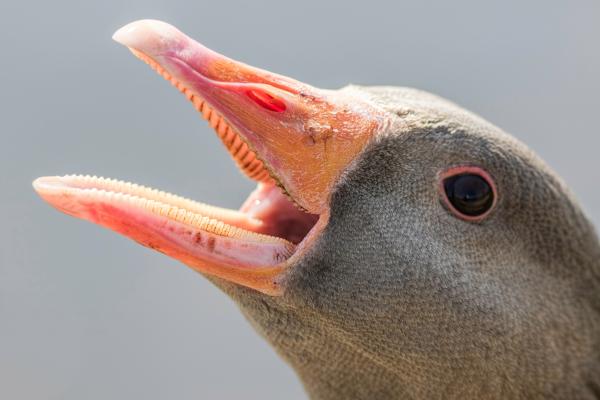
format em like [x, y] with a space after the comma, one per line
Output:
[328, 367]
[278, 214]
[336, 372]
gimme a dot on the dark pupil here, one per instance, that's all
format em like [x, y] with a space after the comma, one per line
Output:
[469, 194]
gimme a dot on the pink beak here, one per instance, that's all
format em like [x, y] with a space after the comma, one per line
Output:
[282, 133]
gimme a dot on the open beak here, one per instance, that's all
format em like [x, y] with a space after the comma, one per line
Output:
[293, 139]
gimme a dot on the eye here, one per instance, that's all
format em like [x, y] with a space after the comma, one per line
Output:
[468, 192]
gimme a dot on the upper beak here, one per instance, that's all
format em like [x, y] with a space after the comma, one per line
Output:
[279, 131]
[305, 136]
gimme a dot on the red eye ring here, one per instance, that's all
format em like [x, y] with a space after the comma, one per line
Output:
[468, 192]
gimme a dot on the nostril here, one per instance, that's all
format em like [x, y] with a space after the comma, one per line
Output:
[266, 100]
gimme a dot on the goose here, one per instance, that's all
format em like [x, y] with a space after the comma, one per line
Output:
[396, 246]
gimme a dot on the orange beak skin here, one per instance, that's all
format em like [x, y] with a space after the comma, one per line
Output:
[306, 136]
[281, 132]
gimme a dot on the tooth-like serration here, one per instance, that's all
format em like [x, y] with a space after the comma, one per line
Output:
[177, 208]
[228, 136]
[117, 186]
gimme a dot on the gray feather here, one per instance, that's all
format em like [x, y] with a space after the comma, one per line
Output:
[401, 300]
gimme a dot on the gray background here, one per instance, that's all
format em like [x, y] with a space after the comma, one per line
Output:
[86, 314]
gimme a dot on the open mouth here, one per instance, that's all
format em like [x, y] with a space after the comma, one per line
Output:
[292, 139]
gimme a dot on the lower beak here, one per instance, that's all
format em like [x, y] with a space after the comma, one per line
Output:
[294, 139]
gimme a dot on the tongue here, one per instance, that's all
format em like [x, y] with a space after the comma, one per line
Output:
[278, 214]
